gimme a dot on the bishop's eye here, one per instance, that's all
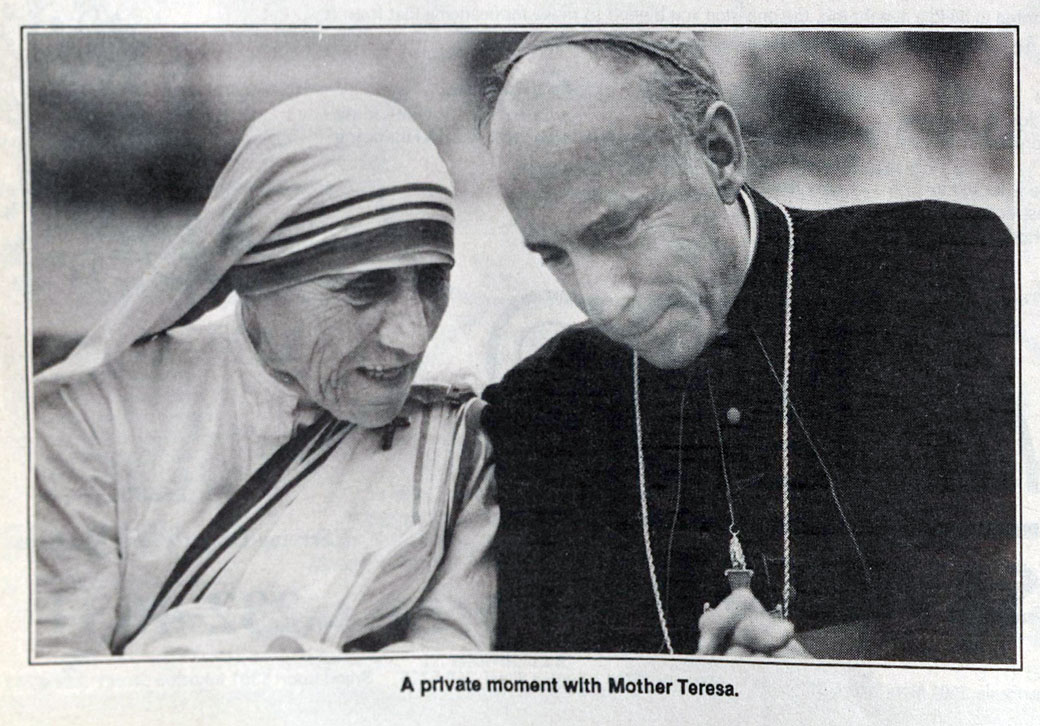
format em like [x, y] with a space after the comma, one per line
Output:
[550, 254]
[433, 280]
[368, 287]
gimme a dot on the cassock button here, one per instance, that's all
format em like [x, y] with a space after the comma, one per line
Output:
[733, 416]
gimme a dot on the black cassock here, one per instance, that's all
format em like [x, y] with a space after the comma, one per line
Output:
[902, 372]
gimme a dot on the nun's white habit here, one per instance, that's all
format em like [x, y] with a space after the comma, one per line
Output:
[187, 503]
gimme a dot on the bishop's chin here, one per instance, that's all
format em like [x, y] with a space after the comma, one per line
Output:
[668, 360]
[672, 352]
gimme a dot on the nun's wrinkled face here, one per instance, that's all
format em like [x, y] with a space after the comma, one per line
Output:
[351, 343]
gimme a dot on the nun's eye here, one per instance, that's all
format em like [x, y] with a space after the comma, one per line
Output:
[368, 287]
[433, 280]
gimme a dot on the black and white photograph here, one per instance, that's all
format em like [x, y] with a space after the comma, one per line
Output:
[490, 354]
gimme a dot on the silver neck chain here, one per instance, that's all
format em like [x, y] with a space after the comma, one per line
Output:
[784, 455]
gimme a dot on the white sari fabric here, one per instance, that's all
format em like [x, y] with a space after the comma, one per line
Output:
[373, 544]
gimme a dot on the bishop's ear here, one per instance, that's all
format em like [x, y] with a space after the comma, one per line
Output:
[723, 148]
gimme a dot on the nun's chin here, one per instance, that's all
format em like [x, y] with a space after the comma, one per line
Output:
[372, 411]
[371, 417]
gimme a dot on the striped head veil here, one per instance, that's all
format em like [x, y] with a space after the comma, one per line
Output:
[328, 182]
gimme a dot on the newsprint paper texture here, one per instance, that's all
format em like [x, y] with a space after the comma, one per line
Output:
[116, 120]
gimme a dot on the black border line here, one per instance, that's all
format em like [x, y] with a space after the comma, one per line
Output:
[524, 26]
[1021, 370]
[26, 202]
[605, 657]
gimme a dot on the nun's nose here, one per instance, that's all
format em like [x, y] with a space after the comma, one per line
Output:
[405, 327]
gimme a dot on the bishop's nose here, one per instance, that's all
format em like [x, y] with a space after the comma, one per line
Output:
[604, 286]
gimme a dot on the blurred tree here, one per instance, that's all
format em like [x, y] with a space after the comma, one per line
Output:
[487, 50]
[966, 99]
[150, 118]
[796, 108]
[120, 117]
[810, 100]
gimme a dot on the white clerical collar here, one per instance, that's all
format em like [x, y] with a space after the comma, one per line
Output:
[752, 215]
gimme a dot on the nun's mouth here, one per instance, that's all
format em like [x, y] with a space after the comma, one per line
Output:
[387, 375]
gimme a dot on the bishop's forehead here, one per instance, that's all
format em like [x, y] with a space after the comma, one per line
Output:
[567, 99]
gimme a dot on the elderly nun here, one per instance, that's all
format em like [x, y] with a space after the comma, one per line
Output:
[265, 477]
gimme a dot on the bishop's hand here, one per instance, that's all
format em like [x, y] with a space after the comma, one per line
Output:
[740, 626]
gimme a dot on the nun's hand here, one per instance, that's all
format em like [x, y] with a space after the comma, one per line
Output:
[740, 626]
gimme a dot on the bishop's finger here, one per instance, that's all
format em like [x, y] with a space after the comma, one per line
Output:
[717, 625]
[763, 633]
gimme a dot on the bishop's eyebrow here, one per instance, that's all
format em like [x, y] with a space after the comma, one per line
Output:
[608, 224]
[614, 221]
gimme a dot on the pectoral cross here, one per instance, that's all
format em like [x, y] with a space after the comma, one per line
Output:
[738, 574]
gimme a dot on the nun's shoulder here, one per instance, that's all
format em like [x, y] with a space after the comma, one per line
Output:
[204, 343]
[450, 396]
[456, 406]
[147, 379]
[178, 367]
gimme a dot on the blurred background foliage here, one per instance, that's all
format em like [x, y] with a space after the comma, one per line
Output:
[129, 130]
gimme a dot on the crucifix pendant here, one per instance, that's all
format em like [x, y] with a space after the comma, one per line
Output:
[738, 574]
[390, 429]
